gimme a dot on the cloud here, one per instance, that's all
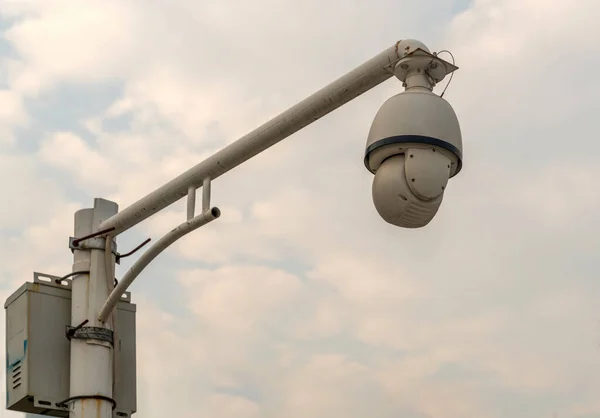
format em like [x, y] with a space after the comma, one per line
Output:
[12, 115]
[240, 298]
[64, 56]
[299, 300]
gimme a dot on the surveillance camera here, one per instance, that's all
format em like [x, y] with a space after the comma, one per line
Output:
[413, 148]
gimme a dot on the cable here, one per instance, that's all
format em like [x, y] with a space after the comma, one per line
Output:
[77, 241]
[65, 403]
[451, 75]
[120, 256]
[75, 273]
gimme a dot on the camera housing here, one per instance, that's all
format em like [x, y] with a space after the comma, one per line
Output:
[414, 145]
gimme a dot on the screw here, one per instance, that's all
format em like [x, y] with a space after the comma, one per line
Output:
[412, 156]
[404, 66]
[433, 66]
[413, 180]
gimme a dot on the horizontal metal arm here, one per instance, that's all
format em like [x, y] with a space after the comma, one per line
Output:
[341, 91]
[152, 252]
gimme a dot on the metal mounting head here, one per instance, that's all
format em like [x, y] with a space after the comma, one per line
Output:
[421, 61]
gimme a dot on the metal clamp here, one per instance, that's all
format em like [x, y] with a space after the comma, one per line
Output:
[77, 241]
[80, 332]
[99, 243]
[95, 243]
[66, 402]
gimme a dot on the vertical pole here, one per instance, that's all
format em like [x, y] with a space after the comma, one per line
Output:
[91, 380]
[191, 202]
[206, 194]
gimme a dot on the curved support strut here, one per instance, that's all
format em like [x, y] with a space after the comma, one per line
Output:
[158, 247]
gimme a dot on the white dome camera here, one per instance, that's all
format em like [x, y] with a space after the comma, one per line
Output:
[414, 145]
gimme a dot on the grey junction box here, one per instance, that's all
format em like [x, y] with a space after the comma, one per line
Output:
[38, 351]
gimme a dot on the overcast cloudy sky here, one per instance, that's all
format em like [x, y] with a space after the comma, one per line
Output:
[300, 301]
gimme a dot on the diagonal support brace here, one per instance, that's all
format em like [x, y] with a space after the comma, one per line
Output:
[152, 252]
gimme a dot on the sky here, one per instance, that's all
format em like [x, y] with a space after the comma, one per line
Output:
[300, 301]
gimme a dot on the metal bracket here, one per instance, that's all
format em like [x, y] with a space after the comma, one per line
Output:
[423, 61]
[206, 194]
[99, 243]
[62, 283]
[89, 333]
[191, 201]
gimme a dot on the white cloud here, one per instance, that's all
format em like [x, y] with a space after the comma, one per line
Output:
[299, 300]
[562, 193]
[12, 115]
[240, 298]
[230, 406]
[67, 151]
[73, 35]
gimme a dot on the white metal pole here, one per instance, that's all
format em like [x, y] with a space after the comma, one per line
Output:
[324, 101]
[91, 380]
